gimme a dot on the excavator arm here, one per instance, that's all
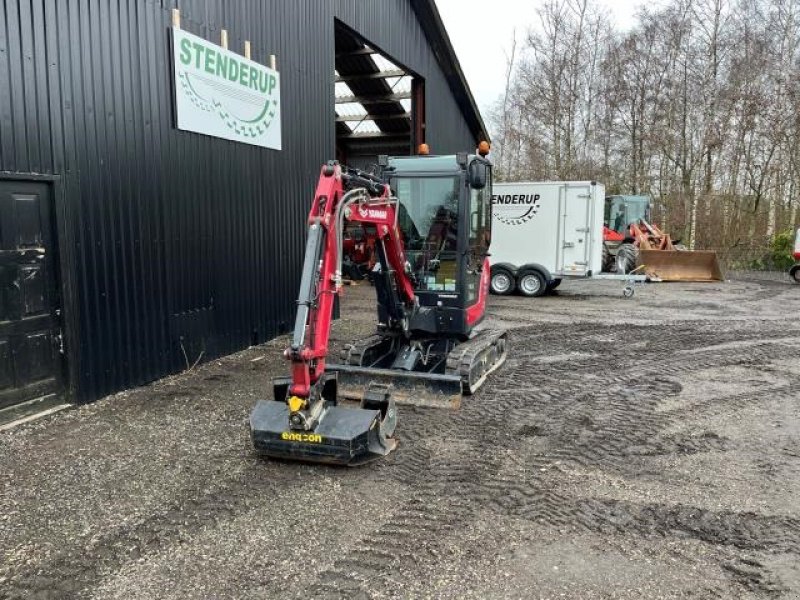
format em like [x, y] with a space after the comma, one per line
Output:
[341, 196]
[308, 424]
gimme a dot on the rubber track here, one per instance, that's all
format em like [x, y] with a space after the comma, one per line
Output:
[463, 359]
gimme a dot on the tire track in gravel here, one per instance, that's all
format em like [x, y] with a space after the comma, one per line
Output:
[458, 464]
[607, 427]
[443, 493]
[81, 566]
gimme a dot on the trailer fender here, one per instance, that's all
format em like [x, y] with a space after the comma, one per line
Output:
[506, 267]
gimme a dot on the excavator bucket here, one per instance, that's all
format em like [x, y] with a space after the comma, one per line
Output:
[344, 436]
[681, 265]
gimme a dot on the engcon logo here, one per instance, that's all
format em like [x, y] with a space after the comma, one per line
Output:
[292, 436]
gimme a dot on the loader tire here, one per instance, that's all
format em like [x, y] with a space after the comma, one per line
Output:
[609, 260]
[794, 273]
[553, 285]
[626, 258]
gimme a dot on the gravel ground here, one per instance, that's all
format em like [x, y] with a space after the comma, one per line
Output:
[643, 448]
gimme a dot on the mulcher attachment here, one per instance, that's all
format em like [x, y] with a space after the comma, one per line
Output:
[342, 435]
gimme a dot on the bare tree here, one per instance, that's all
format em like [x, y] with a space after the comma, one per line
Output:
[698, 105]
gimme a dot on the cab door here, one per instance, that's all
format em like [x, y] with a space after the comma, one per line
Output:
[478, 239]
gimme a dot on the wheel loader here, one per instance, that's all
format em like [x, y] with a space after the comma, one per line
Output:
[430, 217]
[629, 238]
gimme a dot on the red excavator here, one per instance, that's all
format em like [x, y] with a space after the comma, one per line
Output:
[431, 219]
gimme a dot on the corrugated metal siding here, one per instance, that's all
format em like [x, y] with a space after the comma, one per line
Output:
[175, 239]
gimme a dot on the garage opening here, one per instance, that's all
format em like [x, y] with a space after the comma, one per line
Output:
[379, 103]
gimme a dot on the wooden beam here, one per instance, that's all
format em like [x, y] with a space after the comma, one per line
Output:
[375, 136]
[367, 76]
[374, 98]
[347, 118]
[358, 52]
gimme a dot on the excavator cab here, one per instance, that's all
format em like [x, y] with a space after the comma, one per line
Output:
[444, 217]
[444, 221]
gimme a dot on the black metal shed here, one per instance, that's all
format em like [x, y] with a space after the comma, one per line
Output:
[129, 248]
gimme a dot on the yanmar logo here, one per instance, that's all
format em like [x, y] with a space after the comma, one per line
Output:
[515, 209]
[371, 213]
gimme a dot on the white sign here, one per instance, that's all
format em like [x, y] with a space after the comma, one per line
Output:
[219, 93]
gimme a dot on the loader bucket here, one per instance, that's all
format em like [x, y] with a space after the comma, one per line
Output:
[681, 265]
[407, 387]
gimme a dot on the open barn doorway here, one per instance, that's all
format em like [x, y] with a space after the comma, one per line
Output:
[379, 104]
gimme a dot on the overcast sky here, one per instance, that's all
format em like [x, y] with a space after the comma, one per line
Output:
[481, 32]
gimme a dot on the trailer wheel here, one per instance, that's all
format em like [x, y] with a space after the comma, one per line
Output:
[502, 282]
[532, 284]
[794, 273]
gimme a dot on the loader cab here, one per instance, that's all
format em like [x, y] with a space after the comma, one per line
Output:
[621, 211]
[444, 218]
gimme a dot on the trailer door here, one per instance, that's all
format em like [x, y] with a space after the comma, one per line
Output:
[576, 207]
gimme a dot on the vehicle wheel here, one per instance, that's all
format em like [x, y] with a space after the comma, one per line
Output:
[553, 285]
[502, 282]
[608, 261]
[532, 284]
[794, 273]
[628, 291]
[626, 258]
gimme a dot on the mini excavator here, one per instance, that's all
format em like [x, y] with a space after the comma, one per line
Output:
[430, 217]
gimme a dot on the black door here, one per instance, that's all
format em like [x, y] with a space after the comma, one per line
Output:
[30, 359]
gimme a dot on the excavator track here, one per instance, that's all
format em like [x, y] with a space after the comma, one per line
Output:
[476, 358]
[367, 350]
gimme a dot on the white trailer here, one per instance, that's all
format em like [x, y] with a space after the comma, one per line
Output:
[543, 232]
